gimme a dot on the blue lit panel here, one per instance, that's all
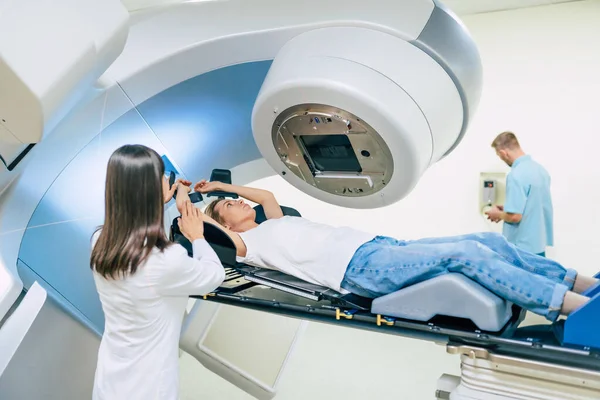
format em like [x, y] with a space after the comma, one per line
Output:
[59, 255]
[201, 124]
[205, 122]
[56, 245]
[78, 192]
[169, 167]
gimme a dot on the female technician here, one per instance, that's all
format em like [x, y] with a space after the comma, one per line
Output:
[144, 280]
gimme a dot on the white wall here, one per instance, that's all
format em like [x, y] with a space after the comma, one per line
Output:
[542, 81]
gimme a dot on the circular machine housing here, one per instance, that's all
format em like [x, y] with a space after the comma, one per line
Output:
[354, 116]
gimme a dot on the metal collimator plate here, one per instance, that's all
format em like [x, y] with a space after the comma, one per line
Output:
[332, 150]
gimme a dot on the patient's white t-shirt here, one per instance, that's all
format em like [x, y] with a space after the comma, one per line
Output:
[311, 251]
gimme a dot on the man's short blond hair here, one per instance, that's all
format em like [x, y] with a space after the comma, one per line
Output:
[506, 140]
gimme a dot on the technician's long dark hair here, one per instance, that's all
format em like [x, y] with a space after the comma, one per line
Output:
[134, 212]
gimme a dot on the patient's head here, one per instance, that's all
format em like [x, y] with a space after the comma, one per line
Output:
[235, 215]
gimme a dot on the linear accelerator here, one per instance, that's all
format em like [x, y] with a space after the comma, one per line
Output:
[349, 101]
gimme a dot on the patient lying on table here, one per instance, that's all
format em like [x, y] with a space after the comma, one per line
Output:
[349, 260]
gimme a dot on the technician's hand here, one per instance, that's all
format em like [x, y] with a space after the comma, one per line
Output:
[205, 187]
[494, 214]
[168, 193]
[493, 219]
[191, 223]
[498, 211]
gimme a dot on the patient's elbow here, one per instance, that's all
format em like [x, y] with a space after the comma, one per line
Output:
[268, 197]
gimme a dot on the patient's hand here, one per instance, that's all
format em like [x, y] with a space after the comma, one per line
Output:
[169, 192]
[205, 187]
[184, 186]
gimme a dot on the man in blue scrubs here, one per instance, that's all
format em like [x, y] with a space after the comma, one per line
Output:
[527, 213]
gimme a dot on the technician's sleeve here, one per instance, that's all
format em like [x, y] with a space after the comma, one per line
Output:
[516, 196]
[196, 275]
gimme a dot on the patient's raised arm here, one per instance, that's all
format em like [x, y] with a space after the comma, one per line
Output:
[182, 196]
[259, 196]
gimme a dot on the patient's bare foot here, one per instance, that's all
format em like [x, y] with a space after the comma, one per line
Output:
[582, 283]
[572, 302]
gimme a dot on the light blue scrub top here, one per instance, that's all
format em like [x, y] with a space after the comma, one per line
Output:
[528, 194]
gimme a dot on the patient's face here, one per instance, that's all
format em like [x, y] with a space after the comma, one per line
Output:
[235, 214]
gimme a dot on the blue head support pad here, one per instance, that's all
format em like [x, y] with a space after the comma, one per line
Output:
[221, 175]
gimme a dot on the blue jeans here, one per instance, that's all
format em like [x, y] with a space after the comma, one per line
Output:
[385, 265]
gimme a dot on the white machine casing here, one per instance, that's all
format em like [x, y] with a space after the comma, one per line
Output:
[406, 67]
[395, 87]
[51, 52]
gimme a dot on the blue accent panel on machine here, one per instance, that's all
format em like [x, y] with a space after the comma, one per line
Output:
[29, 277]
[592, 290]
[205, 122]
[169, 167]
[56, 244]
[582, 327]
[202, 123]
[78, 192]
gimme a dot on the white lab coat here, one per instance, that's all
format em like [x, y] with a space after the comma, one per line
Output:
[138, 355]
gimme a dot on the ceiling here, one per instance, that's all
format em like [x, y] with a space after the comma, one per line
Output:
[461, 7]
